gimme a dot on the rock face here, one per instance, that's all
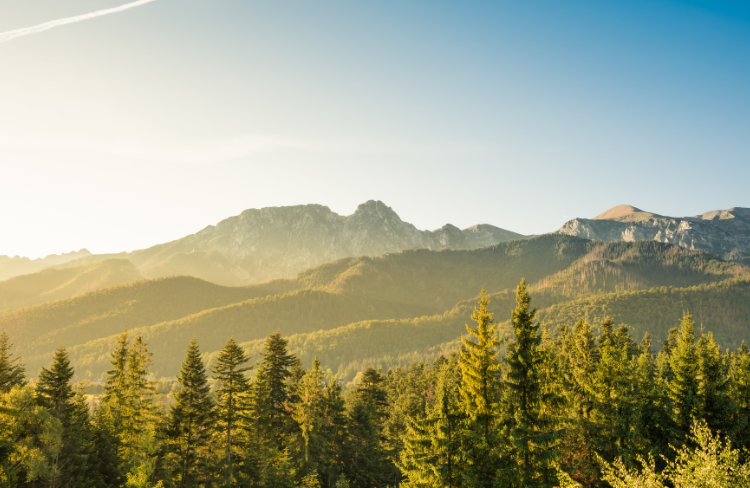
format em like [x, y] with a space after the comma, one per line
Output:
[276, 242]
[723, 233]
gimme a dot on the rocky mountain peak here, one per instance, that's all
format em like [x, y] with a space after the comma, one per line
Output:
[723, 233]
[625, 213]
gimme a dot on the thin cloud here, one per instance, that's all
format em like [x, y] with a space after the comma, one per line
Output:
[14, 34]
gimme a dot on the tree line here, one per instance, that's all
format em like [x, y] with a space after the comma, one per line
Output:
[541, 408]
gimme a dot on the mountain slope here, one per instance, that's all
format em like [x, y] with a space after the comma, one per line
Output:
[723, 308]
[16, 266]
[55, 284]
[723, 233]
[395, 286]
[276, 242]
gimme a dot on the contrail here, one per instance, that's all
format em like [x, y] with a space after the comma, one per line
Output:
[10, 35]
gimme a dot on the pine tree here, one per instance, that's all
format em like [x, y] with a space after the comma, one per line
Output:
[480, 393]
[333, 434]
[615, 408]
[713, 384]
[277, 364]
[141, 418]
[191, 420]
[526, 404]
[578, 355]
[116, 385]
[307, 412]
[56, 394]
[229, 371]
[54, 386]
[364, 459]
[432, 454]
[12, 372]
[739, 374]
[683, 388]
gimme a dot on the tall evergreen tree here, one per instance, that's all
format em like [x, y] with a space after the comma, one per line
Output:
[526, 404]
[480, 391]
[307, 412]
[12, 372]
[191, 421]
[714, 384]
[56, 394]
[333, 434]
[365, 462]
[54, 385]
[739, 374]
[432, 454]
[116, 385]
[683, 387]
[229, 371]
[277, 364]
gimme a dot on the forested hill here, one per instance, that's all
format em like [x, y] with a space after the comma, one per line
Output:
[54, 284]
[401, 286]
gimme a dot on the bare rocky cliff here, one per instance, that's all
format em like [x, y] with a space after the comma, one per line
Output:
[723, 233]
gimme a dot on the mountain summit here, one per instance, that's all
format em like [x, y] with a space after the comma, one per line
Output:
[275, 242]
[723, 233]
[625, 213]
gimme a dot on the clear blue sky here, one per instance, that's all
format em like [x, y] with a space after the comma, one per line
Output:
[141, 127]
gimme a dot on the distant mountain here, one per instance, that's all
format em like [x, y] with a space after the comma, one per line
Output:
[276, 242]
[723, 233]
[15, 266]
[55, 284]
[397, 286]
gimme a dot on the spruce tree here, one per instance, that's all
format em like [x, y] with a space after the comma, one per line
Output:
[116, 385]
[714, 384]
[191, 420]
[480, 392]
[12, 372]
[229, 371]
[364, 459]
[333, 434]
[56, 394]
[277, 364]
[526, 404]
[683, 387]
[307, 412]
[54, 386]
[432, 453]
[739, 374]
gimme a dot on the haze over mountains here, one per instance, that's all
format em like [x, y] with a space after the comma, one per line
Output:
[277, 242]
[370, 289]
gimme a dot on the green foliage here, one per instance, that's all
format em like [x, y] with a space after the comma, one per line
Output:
[229, 372]
[191, 422]
[526, 404]
[12, 372]
[711, 463]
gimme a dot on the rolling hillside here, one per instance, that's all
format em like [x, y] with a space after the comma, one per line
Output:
[55, 284]
[389, 290]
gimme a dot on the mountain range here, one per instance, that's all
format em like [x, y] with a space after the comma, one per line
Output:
[723, 233]
[370, 289]
[275, 242]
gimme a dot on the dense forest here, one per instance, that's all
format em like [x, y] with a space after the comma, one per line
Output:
[577, 404]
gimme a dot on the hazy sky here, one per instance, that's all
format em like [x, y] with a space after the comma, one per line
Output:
[143, 126]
